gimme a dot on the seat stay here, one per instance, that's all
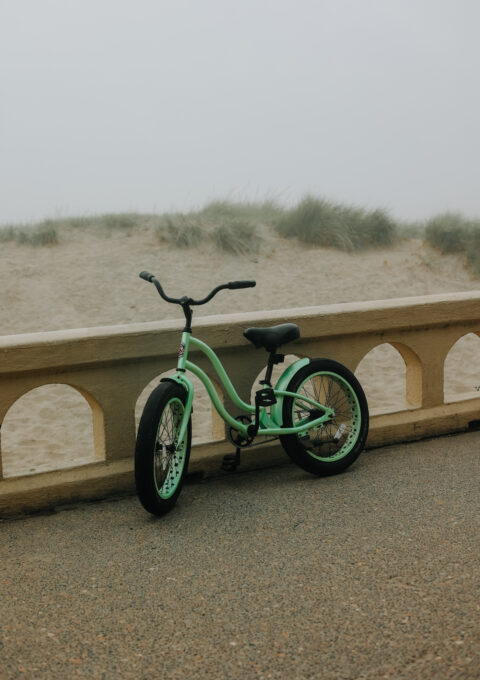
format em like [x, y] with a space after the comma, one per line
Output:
[270, 427]
[301, 397]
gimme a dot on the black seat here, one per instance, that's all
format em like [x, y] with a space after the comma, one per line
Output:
[273, 337]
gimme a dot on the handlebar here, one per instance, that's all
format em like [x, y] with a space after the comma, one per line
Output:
[241, 284]
[232, 285]
[147, 276]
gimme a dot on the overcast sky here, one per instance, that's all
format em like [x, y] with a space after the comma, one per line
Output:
[160, 105]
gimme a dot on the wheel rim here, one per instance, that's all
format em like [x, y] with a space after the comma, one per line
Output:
[337, 437]
[169, 453]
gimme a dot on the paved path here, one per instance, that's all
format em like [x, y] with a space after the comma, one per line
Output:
[269, 574]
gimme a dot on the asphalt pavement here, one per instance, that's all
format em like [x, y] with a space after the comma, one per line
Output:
[371, 574]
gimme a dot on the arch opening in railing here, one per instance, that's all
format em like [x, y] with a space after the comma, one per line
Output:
[49, 428]
[383, 375]
[462, 369]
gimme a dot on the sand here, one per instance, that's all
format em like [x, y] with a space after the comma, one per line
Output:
[91, 279]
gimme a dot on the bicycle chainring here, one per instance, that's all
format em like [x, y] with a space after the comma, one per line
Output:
[238, 439]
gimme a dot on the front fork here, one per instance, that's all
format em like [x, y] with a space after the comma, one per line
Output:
[186, 383]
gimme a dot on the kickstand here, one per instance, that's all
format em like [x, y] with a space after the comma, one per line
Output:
[231, 461]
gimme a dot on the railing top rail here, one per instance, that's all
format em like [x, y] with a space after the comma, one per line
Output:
[81, 346]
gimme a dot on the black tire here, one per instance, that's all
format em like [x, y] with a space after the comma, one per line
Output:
[331, 449]
[160, 463]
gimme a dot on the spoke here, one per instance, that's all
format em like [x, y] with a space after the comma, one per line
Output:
[169, 424]
[316, 384]
[168, 463]
[327, 386]
[341, 400]
[334, 393]
[164, 434]
[310, 393]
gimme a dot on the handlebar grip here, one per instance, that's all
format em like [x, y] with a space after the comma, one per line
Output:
[241, 284]
[147, 276]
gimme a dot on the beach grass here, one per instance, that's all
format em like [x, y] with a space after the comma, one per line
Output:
[449, 232]
[231, 226]
[454, 233]
[229, 233]
[237, 236]
[179, 231]
[333, 225]
[42, 234]
[240, 228]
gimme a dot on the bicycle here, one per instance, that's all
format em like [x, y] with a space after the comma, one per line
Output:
[317, 409]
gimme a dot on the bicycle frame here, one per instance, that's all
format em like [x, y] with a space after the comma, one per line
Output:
[269, 423]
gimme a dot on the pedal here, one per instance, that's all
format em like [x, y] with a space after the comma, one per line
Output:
[265, 397]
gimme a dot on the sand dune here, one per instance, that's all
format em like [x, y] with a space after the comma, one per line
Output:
[91, 278]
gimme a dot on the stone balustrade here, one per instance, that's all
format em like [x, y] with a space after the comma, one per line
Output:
[110, 367]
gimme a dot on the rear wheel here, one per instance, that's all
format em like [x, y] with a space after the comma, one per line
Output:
[161, 460]
[331, 448]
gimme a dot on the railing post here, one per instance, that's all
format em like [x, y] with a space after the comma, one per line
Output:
[432, 383]
[3, 411]
[414, 374]
[111, 395]
[119, 427]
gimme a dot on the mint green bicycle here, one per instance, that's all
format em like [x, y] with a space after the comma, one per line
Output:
[317, 409]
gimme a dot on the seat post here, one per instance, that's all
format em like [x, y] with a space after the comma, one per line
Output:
[272, 360]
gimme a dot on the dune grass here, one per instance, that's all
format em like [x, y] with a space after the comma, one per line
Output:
[179, 231]
[454, 233]
[239, 228]
[449, 232]
[235, 227]
[230, 226]
[43, 234]
[324, 223]
[229, 233]
[237, 236]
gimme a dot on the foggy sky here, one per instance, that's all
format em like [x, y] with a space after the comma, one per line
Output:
[161, 105]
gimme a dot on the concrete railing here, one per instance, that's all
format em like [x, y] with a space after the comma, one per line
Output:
[110, 366]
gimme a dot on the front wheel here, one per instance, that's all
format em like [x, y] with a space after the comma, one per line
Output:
[161, 460]
[332, 447]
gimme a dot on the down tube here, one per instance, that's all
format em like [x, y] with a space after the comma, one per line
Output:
[212, 393]
[222, 374]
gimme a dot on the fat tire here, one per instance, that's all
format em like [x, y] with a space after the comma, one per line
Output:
[291, 443]
[146, 446]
